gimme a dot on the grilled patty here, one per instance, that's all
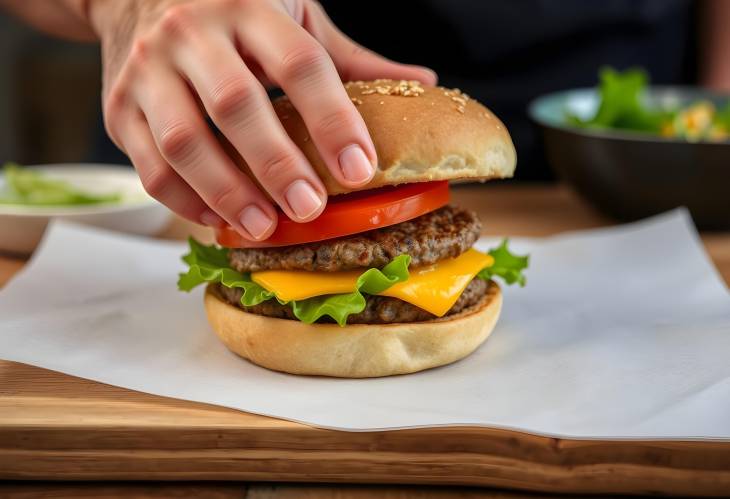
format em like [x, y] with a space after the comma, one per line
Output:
[443, 233]
[378, 309]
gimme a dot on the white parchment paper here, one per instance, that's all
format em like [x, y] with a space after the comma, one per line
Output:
[620, 333]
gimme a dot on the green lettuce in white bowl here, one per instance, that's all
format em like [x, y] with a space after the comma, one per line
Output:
[107, 196]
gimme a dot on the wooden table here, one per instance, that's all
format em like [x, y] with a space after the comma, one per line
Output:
[57, 427]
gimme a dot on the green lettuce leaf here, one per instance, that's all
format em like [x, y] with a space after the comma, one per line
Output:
[209, 264]
[621, 104]
[507, 265]
[339, 307]
[24, 186]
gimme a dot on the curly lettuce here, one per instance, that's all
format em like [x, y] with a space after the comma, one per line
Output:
[506, 266]
[209, 264]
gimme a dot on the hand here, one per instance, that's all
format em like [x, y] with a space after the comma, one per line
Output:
[168, 63]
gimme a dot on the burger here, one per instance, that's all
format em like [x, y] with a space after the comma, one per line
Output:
[385, 281]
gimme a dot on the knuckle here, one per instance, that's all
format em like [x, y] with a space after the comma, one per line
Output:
[222, 197]
[156, 182]
[177, 20]
[115, 138]
[177, 141]
[303, 62]
[232, 97]
[114, 102]
[334, 122]
[139, 53]
[116, 114]
[111, 125]
[276, 168]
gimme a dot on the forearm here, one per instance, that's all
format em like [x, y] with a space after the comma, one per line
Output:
[714, 38]
[62, 18]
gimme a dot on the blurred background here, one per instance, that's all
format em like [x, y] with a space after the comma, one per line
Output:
[502, 53]
[50, 103]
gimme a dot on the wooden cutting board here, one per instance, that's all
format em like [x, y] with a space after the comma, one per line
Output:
[54, 426]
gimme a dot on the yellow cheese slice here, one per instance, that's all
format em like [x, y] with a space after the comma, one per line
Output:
[300, 284]
[434, 288]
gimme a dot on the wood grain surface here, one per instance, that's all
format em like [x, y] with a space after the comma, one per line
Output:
[54, 426]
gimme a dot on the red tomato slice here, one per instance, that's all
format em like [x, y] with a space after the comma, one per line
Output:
[350, 214]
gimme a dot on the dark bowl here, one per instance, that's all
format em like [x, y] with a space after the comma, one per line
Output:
[631, 175]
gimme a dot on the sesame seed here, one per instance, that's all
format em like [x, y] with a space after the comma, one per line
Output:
[403, 88]
[356, 100]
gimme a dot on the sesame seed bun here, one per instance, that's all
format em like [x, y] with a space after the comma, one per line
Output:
[357, 350]
[420, 134]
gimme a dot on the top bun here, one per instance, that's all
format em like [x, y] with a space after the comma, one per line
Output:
[420, 134]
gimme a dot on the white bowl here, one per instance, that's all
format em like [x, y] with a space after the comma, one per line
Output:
[22, 227]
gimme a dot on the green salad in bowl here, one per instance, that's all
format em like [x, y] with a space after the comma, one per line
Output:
[24, 186]
[626, 104]
[635, 150]
[106, 196]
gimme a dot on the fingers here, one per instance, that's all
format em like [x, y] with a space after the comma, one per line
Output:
[353, 61]
[159, 179]
[240, 107]
[204, 45]
[304, 70]
[188, 146]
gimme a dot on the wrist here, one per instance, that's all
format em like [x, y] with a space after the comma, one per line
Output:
[103, 15]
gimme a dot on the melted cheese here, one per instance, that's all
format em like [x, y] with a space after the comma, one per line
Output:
[434, 288]
[300, 284]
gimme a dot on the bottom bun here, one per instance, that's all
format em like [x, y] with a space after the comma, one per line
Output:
[357, 350]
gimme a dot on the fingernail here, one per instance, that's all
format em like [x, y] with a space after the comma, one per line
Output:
[434, 75]
[302, 198]
[209, 218]
[355, 165]
[255, 221]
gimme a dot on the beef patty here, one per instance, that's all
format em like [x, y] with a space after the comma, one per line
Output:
[443, 233]
[378, 309]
